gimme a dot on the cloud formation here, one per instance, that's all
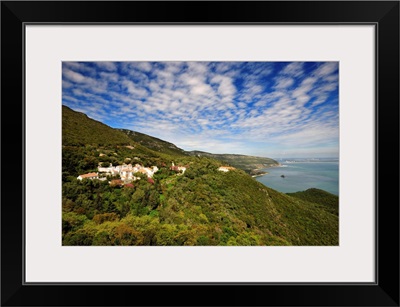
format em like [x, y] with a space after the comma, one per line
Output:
[258, 108]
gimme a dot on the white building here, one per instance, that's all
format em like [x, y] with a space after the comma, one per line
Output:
[88, 176]
[106, 169]
[225, 168]
[126, 171]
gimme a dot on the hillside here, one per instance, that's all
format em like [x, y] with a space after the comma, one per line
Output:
[153, 143]
[250, 164]
[317, 196]
[79, 129]
[198, 206]
[201, 207]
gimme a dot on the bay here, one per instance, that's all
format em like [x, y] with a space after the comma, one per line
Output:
[303, 174]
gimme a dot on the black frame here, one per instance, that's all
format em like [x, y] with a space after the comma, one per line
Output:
[383, 14]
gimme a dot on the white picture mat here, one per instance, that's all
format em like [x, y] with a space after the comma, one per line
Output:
[48, 261]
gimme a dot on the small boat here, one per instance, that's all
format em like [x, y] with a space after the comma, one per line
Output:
[283, 176]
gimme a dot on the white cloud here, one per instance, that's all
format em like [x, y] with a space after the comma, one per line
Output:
[319, 100]
[136, 91]
[109, 66]
[70, 98]
[225, 85]
[144, 66]
[294, 69]
[302, 99]
[174, 67]
[301, 92]
[82, 67]
[326, 69]
[283, 83]
[308, 81]
[198, 68]
[110, 76]
[66, 84]
[201, 89]
[222, 67]
[74, 76]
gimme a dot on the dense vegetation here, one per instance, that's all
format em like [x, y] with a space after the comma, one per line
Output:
[202, 206]
[328, 200]
[79, 129]
[153, 143]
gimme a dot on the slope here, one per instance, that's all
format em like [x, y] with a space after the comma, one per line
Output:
[79, 129]
[327, 200]
[153, 143]
[234, 209]
[201, 207]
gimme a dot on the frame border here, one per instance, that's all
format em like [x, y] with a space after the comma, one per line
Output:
[383, 14]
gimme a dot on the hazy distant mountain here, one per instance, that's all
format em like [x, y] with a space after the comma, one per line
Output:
[244, 162]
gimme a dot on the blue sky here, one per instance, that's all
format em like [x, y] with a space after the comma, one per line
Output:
[270, 109]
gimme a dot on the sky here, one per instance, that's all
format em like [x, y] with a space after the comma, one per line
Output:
[267, 109]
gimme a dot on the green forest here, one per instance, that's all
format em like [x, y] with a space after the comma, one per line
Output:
[199, 206]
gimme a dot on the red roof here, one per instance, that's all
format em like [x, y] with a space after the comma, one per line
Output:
[88, 175]
[116, 182]
[150, 180]
[129, 185]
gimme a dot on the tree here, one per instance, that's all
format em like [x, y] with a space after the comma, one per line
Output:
[126, 235]
[104, 217]
[102, 238]
[79, 237]
[88, 163]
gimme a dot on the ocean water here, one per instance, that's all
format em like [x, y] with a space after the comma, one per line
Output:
[303, 174]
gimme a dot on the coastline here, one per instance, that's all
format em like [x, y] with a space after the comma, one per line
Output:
[258, 173]
[301, 176]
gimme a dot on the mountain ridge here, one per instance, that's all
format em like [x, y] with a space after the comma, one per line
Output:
[106, 135]
[152, 142]
[80, 129]
[250, 164]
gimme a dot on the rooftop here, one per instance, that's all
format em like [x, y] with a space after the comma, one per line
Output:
[88, 175]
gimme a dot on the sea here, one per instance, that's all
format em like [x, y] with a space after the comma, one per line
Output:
[295, 175]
